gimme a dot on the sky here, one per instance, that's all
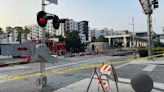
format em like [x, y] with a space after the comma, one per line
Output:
[111, 14]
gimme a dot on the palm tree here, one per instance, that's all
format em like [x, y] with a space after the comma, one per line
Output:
[1, 30]
[19, 32]
[8, 30]
[26, 31]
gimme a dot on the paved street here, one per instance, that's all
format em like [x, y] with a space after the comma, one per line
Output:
[125, 72]
[55, 81]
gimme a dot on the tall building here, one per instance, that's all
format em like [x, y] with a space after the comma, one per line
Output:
[71, 25]
[68, 25]
[36, 31]
[103, 32]
[83, 28]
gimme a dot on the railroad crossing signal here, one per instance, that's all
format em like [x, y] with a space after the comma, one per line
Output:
[155, 3]
[56, 22]
[43, 17]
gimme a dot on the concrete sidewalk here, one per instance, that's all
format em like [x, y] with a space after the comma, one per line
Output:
[81, 86]
[157, 61]
[124, 84]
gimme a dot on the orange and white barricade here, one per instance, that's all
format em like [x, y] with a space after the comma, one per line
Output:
[105, 69]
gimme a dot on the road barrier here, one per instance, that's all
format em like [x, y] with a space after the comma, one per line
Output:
[70, 69]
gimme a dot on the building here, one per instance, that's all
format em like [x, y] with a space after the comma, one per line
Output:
[84, 29]
[68, 25]
[124, 38]
[36, 31]
[71, 25]
[103, 32]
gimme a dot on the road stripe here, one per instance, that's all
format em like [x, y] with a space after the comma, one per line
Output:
[149, 68]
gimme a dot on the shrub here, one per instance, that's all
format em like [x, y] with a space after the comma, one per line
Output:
[143, 52]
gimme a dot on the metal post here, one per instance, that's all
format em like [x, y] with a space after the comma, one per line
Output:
[134, 52]
[43, 80]
[149, 35]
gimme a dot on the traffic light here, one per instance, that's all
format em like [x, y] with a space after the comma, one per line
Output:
[42, 18]
[56, 22]
[155, 2]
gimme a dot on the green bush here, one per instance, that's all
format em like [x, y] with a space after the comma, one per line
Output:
[143, 52]
[158, 50]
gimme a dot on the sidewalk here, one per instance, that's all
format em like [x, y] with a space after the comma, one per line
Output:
[81, 86]
[156, 61]
[124, 84]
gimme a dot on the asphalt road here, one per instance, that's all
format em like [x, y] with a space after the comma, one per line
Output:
[54, 81]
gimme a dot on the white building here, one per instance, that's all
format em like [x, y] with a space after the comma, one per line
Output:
[69, 25]
[13, 35]
[97, 33]
[82, 38]
[36, 31]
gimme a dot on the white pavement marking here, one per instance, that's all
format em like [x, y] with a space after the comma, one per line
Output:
[3, 76]
[149, 68]
[12, 68]
[121, 65]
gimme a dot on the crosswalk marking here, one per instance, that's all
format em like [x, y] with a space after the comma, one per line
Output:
[149, 68]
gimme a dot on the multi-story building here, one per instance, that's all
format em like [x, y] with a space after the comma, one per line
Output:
[68, 25]
[97, 33]
[36, 31]
[83, 28]
[71, 25]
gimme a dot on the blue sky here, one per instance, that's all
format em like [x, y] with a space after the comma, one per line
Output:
[113, 14]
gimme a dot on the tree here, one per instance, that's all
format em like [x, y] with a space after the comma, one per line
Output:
[93, 39]
[26, 31]
[19, 32]
[73, 41]
[47, 35]
[102, 39]
[8, 29]
[61, 38]
[1, 31]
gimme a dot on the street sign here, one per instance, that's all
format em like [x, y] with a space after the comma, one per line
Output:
[53, 1]
[43, 55]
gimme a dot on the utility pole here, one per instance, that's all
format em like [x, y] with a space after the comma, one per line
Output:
[149, 35]
[147, 7]
[134, 51]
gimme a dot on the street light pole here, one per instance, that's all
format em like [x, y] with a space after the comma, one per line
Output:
[134, 52]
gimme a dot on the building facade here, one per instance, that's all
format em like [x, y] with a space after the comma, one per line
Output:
[36, 31]
[68, 25]
[125, 39]
[103, 32]
[84, 29]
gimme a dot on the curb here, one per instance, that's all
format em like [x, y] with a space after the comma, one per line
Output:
[18, 63]
[80, 54]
